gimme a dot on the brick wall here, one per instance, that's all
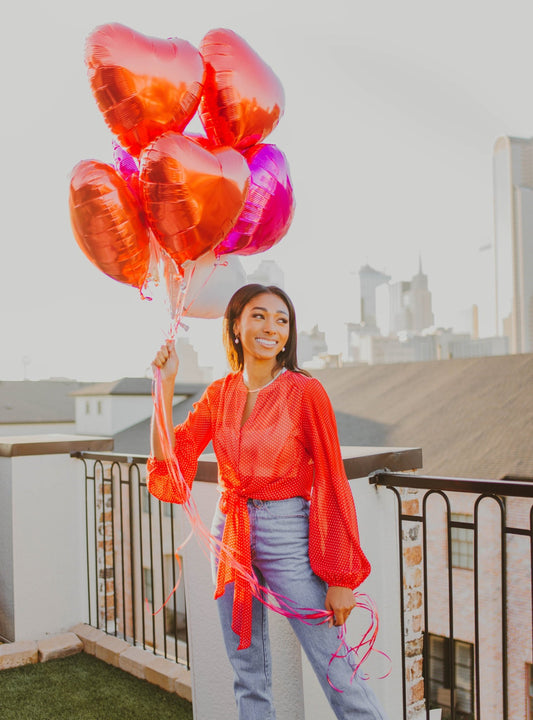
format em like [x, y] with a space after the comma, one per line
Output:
[413, 603]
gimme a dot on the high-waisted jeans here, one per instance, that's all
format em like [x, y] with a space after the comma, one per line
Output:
[279, 532]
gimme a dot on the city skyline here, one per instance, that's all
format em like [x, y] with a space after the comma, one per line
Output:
[391, 117]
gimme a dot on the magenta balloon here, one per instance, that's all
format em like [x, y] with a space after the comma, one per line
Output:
[126, 166]
[269, 206]
[124, 163]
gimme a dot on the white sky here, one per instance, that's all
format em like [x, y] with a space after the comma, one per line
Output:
[392, 110]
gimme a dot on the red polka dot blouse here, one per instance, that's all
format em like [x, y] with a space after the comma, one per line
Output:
[287, 447]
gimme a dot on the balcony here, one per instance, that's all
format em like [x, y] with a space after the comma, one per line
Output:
[82, 542]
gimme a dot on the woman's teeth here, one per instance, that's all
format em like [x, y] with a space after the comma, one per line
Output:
[266, 343]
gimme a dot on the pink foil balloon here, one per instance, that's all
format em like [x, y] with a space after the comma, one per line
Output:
[269, 206]
[106, 222]
[143, 85]
[127, 168]
[243, 99]
[192, 196]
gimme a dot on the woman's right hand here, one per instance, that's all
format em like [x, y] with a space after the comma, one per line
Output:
[166, 360]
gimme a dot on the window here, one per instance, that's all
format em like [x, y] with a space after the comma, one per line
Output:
[530, 696]
[145, 500]
[87, 407]
[440, 677]
[99, 407]
[145, 503]
[148, 589]
[462, 542]
[175, 620]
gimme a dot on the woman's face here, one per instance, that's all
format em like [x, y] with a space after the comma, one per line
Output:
[263, 327]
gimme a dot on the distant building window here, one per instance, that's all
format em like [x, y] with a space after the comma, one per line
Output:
[440, 677]
[145, 500]
[87, 407]
[462, 542]
[145, 503]
[530, 703]
[99, 407]
[175, 620]
[148, 589]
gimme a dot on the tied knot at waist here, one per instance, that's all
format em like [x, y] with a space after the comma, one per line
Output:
[231, 498]
[235, 562]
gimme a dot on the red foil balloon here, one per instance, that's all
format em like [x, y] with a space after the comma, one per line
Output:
[143, 86]
[269, 207]
[243, 99]
[192, 196]
[105, 218]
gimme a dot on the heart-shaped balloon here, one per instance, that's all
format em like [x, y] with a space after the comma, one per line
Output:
[192, 196]
[143, 86]
[269, 207]
[106, 221]
[243, 99]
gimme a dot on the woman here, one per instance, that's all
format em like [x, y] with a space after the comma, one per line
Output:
[286, 511]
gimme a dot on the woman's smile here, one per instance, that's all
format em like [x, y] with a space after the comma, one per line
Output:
[266, 342]
[263, 327]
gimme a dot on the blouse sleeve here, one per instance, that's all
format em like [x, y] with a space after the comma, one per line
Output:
[334, 550]
[190, 440]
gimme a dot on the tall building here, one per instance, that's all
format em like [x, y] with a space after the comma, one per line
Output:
[311, 344]
[410, 305]
[369, 280]
[420, 302]
[513, 231]
[399, 307]
[268, 272]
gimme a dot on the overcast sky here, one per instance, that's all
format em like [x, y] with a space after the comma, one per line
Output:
[392, 111]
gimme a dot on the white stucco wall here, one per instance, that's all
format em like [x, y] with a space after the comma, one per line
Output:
[110, 414]
[46, 569]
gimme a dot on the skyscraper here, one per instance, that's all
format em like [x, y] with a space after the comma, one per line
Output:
[410, 304]
[268, 272]
[420, 301]
[513, 232]
[369, 280]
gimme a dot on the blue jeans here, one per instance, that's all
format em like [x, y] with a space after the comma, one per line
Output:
[279, 532]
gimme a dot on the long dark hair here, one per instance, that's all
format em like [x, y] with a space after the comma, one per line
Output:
[285, 358]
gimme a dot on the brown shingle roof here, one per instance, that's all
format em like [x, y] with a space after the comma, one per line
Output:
[472, 417]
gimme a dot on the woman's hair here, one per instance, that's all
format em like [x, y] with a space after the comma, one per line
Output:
[285, 358]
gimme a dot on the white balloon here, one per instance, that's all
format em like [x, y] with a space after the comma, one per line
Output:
[211, 283]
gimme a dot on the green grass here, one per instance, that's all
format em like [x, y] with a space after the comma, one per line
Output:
[82, 687]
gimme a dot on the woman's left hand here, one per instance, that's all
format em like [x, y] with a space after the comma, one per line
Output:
[341, 602]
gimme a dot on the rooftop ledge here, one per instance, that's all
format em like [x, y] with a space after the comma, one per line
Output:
[359, 461]
[52, 444]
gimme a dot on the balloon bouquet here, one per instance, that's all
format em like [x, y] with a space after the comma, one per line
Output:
[173, 203]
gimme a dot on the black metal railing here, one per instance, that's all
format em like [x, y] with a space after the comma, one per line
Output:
[135, 589]
[466, 546]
